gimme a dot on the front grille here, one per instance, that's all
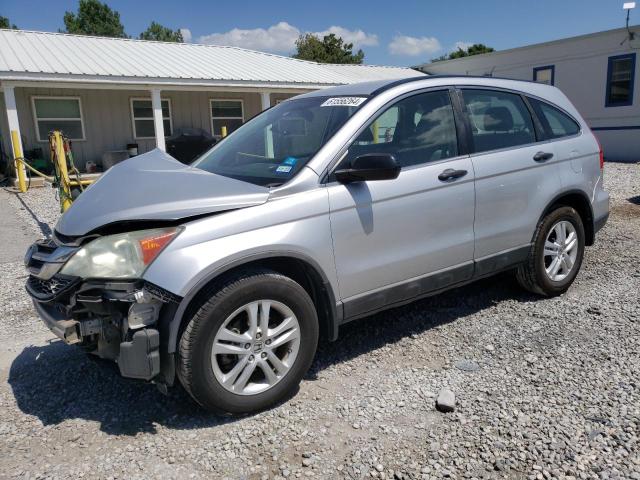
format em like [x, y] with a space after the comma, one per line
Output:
[46, 245]
[48, 290]
[45, 258]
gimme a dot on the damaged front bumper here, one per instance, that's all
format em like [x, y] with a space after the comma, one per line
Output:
[120, 320]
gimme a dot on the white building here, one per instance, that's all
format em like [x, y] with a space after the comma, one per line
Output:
[598, 72]
[105, 93]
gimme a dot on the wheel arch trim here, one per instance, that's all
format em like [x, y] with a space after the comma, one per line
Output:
[334, 309]
[588, 225]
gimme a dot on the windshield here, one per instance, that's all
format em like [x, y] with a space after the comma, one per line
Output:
[270, 149]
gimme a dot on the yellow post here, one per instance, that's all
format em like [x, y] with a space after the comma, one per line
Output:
[18, 159]
[61, 165]
[376, 132]
[223, 130]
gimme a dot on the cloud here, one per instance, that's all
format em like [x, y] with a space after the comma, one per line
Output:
[413, 46]
[281, 37]
[357, 37]
[461, 45]
[277, 38]
[186, 35]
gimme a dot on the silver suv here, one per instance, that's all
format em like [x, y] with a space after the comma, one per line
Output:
[325, 208]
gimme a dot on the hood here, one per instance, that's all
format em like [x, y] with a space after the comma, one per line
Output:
[155, 186]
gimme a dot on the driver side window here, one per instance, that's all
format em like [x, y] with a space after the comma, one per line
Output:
[416, 130]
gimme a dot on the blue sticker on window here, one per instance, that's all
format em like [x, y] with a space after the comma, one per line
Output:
[290, 161]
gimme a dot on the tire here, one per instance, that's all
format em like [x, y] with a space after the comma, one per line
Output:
[225, 311]
[533, 275]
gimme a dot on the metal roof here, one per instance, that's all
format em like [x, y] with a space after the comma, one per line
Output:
[437, 66]
[28, 55]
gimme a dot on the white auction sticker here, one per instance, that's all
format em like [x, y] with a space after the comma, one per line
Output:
[343, 102]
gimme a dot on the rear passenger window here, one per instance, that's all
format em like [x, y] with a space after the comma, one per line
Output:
[556, 124]
[498, 119]
[417, 129]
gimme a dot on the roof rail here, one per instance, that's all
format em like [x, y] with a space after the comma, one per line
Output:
[435, 77]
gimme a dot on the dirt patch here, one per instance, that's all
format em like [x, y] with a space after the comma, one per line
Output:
[625, 210]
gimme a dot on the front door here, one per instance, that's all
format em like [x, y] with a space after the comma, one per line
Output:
[397, 239]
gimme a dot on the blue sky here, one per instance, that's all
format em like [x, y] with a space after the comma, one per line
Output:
[391, 32]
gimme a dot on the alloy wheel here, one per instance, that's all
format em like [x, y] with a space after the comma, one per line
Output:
[255, 347]
[560, 250]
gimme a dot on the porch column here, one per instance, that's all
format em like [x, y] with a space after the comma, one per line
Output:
[265, 99]
[12, 117]
[158, 124]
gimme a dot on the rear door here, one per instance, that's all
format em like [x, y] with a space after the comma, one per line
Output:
[395, 239]
[516, 175]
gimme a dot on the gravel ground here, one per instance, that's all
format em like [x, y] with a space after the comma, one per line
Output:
[545, 388]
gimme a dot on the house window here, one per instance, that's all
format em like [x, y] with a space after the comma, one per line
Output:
[544, 74]
[620, 77]
[142, 118]
[226, 113]
[58, 113]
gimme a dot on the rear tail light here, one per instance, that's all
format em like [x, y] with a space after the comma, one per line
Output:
[600, 152]
[601, 156]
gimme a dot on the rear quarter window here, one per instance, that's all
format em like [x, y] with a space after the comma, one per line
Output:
[555, 122]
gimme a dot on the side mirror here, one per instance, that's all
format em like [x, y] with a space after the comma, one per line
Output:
[370, 166]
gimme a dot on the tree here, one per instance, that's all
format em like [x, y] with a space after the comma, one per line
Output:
[5, 23]
[94, 18]
[331, 49]
[475, 49]
[161, 34]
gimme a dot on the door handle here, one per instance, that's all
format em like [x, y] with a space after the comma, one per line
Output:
[451, 174]
[542, 156]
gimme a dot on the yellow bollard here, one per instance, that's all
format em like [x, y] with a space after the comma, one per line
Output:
[223, 130]
[376, 132]
[17, 154]
[61, 165]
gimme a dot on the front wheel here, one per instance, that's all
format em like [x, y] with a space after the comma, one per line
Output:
[249, 345]
[556, 254]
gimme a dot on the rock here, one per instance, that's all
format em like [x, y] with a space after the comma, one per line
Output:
[467, 365]
[594, 310]
[446, 401]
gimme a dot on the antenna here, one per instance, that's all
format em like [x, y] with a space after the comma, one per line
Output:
[628, 6]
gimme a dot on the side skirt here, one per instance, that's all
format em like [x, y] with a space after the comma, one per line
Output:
[432, 284]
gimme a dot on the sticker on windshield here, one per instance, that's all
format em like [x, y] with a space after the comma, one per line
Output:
[290, 161]
[343, 102]
[283, 169]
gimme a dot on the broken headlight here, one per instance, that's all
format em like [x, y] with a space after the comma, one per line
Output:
[125, 255]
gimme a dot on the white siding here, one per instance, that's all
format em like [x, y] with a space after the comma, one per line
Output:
[580, 72]
[107, 117]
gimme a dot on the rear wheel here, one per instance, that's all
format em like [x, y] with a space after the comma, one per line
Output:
[249, 345]
[556, 254]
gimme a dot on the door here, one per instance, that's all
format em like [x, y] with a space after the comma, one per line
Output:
[516, 176]
[397, 239]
